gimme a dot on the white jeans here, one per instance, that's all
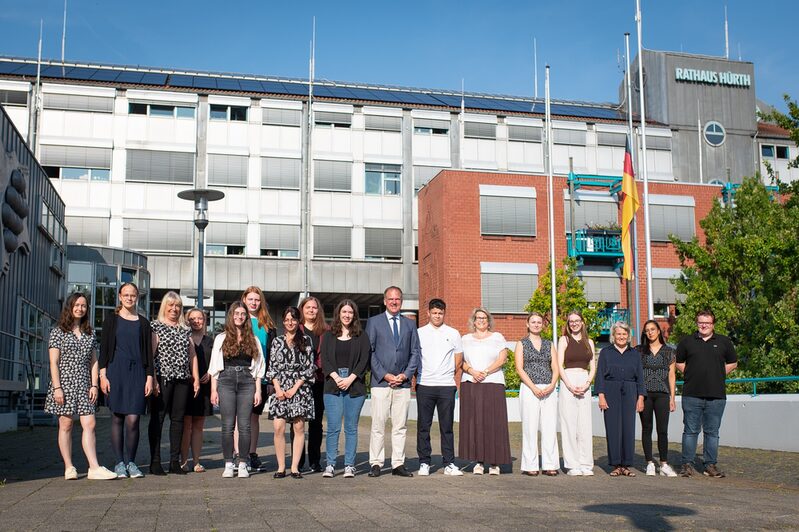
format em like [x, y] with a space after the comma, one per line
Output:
[393, 403]
[575, 423]
[537, 413]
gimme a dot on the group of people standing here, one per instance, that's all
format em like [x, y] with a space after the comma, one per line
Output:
[171, 367]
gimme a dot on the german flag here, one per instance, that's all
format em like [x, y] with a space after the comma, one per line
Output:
[629, 206]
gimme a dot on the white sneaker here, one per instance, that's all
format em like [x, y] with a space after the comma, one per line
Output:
[424, 470]
[349, 471]
[453, 471]
[478, 469]
[588, 471]
[71, 473]
[493, 470]
[665, 471]
[650, 469]
[229, 471]
[329, 472]
[101, 473]
[244, 471]
[576, 472]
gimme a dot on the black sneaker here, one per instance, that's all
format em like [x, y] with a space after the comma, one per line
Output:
[156, 469]
[255, 462]
[175, 469]
[315, 468]
[686, 471]
[374, 471]
[713, 472]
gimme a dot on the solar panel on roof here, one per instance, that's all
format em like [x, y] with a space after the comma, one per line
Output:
[128, 76]
[51, 71]
[271, 87]
[300, 89]
[387, 96]
[204, 82]
[180, 80]
[80, 73]
[448, 100]
[228, 84]
[325, 92]
[363, 94]
[153, 78]
[7, 67]
[250, 85]
[341, 92]
[101, 74]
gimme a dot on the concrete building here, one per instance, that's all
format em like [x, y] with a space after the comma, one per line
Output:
[324, 198]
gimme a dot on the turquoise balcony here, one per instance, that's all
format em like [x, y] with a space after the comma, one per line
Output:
[595, 243]
[607, 317]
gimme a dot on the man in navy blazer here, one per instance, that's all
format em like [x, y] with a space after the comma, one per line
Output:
[395, 357]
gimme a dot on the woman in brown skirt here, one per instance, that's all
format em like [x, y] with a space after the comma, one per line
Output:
[484, 414]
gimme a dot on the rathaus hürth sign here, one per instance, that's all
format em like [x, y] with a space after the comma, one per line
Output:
[711, 77]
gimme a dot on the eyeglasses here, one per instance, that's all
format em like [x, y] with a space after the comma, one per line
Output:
[575, 321]
[480, 318]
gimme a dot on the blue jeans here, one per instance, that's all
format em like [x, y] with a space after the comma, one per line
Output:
[337, 406]
[705, 415]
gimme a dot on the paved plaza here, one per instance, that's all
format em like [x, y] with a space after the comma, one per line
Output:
[761, 491]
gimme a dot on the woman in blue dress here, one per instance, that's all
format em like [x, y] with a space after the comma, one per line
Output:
[126, 376]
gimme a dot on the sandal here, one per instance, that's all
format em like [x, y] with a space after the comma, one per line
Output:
[626, 472]
[198, 468]
[530, 473]
[551, 472]
[617, 472]
[279, 474]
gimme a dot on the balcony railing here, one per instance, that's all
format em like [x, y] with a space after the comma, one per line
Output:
[595, 243]
[607, 317]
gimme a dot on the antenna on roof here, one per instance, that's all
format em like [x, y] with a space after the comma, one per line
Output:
[36, 106]
[64, 34]
[726, 35]
[535, 65]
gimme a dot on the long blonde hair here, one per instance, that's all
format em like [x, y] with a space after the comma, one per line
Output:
[171, 297]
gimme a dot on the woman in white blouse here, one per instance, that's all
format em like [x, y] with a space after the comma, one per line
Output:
[484, 414]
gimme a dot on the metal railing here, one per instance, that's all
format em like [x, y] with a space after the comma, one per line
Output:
[595, 243]
[607, 317]
[29, 369]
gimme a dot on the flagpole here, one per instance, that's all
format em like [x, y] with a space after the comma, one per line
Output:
[551, 211]
[636, 321]
[644, 172]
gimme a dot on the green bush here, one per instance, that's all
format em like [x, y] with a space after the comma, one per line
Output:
[512, 380]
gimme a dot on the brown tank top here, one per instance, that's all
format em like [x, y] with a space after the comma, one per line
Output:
[576, 355]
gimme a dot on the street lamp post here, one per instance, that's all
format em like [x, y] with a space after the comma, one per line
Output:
[201, 197]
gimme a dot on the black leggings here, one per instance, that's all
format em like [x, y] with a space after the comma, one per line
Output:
[657, 402]
[125, 434]
[172, 400]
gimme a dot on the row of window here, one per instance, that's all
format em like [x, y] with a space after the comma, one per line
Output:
[772, 152]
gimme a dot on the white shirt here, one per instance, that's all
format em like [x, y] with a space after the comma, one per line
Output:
[439, 346]
[217, 362]
[391, 317]
[480, 354]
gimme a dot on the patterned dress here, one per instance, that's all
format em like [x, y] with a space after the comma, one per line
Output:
[74, 369]
[172, 356]
[288, 365]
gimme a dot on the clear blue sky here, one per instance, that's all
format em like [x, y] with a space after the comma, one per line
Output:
[414, 43]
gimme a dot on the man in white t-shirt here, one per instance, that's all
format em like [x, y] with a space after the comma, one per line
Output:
[442, 356]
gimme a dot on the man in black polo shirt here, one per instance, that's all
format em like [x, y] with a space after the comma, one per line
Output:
[705, 358]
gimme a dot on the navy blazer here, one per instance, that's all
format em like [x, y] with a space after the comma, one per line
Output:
[388, 357]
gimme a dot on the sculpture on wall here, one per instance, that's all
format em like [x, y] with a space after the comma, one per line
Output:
[14, 209]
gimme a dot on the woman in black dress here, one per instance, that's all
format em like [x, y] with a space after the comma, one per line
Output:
[177, 381]
[291, 370]
[313, 324]
[199, 407]
[73, 384]
[126, 376]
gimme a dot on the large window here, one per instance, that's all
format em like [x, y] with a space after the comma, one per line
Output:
[282, 117]
[332, 120]
[86, 230]
[663, 290]
[10, 97]
[506, 288]
[163, 110]
[479, 130]
[234, 113]
[383, 244]
[160, 166]
[280, 240]
[332, 242]
[383, 179]
[608, 138]
[428, 126]
[78, 157]
[507, 211]
[334, 176]
[524, 133]
[591, 212]
[170, 236]
[277, 172]
[601, 286]
[78, 102]
[570, 137]
[677, 220]
[383, 123]
[227, 170]
[225, 238]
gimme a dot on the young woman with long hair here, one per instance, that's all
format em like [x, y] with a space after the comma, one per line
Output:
[73, 384]
[236, 368]
[199, 407]
[264, 330]
[126, 376]
[291, 370]
[577, 367]
[313, 324]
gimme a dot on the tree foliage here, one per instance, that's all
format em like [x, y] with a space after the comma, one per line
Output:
[789, 122]
[747, 272]
[570, 296]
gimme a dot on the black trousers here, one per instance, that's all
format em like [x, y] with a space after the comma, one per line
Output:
[657, 403]
[428, 400]
[173, 400]
[315, 427]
